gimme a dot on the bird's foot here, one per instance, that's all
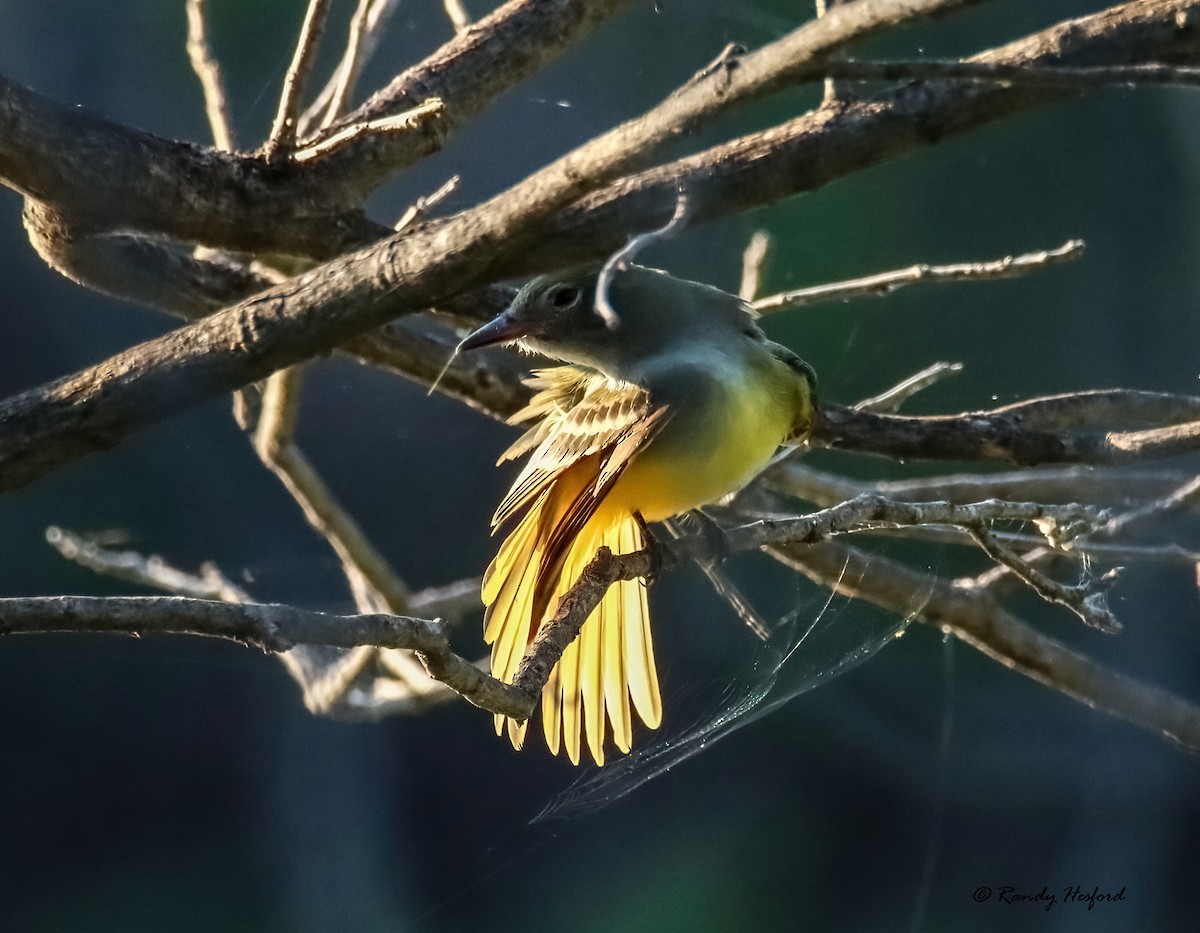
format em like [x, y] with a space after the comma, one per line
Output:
[653, 547]
[715, 540]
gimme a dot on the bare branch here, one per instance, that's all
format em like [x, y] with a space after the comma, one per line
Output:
[384, 126]
[453, 600]
[754, 257]
[1027, 433]
[1085, 600]
[1182, 496]
[1185, 496]
[460, 19]
[366, 27]
[467, 73]
[1113, 486]
[151, 571]
[70, 159]
[283, 130]
[333, 682]
[975, 618]
[883, 283]
[61, 422]
[897, 395]
[1154, 73]
[375, 586]
[861, 513]
[209, 73]
[271, 627]
[417, 210]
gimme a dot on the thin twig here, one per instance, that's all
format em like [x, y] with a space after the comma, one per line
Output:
[1110, 486]
[1183, 496]
[883, 283]
[417, 210]
[1086, 600]
[362, 39]
[460, 19]
[209, 72]
[754, 258]
[332, 683]
[618, 260]
[374, 584]
[891, 399]
[972, 616]
[398, 123]
[150, 571]
[283, 130]
[1034, 544]
[451, 601]
[829, 96]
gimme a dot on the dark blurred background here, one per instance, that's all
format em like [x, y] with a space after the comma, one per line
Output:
[176, 784]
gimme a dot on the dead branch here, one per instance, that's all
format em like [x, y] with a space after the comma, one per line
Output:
[209, 72]
[272, 628]
[1027, 433]
[972, 616]
[47, 427]
[283, 131]
[884, 283]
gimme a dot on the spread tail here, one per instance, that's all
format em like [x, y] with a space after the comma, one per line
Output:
[612, 660]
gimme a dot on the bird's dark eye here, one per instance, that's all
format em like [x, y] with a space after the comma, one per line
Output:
[563, 296]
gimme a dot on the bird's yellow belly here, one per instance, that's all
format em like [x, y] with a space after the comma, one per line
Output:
[700, 457]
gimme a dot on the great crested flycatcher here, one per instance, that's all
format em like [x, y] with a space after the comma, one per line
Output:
[683, 401]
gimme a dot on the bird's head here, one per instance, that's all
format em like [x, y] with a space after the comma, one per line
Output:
[555, 315]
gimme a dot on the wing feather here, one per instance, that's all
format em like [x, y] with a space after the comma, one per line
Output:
[603, 416]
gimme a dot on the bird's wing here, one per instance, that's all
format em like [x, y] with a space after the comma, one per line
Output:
[582, 414]
[591, 429]
[557, 390]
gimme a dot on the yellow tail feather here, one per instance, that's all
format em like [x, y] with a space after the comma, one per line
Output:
[612, 660]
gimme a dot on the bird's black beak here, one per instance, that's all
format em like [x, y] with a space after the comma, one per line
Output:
[499, 330]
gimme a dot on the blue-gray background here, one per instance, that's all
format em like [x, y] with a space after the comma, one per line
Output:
[169, 784]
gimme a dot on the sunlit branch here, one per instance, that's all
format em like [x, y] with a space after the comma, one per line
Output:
[209, 72]
[884, 283]
[1153, 73]
[283, 130]
[270, 627]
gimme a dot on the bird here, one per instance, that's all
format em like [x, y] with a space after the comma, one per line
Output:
[675, 402]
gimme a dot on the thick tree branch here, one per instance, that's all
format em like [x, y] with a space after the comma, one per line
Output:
[1027, 433]
[78, 163]
[1053, 76]
[97, 408]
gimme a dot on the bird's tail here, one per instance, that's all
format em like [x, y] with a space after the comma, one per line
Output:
[612, 660]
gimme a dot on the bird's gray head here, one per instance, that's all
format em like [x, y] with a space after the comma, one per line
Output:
[555, 315]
